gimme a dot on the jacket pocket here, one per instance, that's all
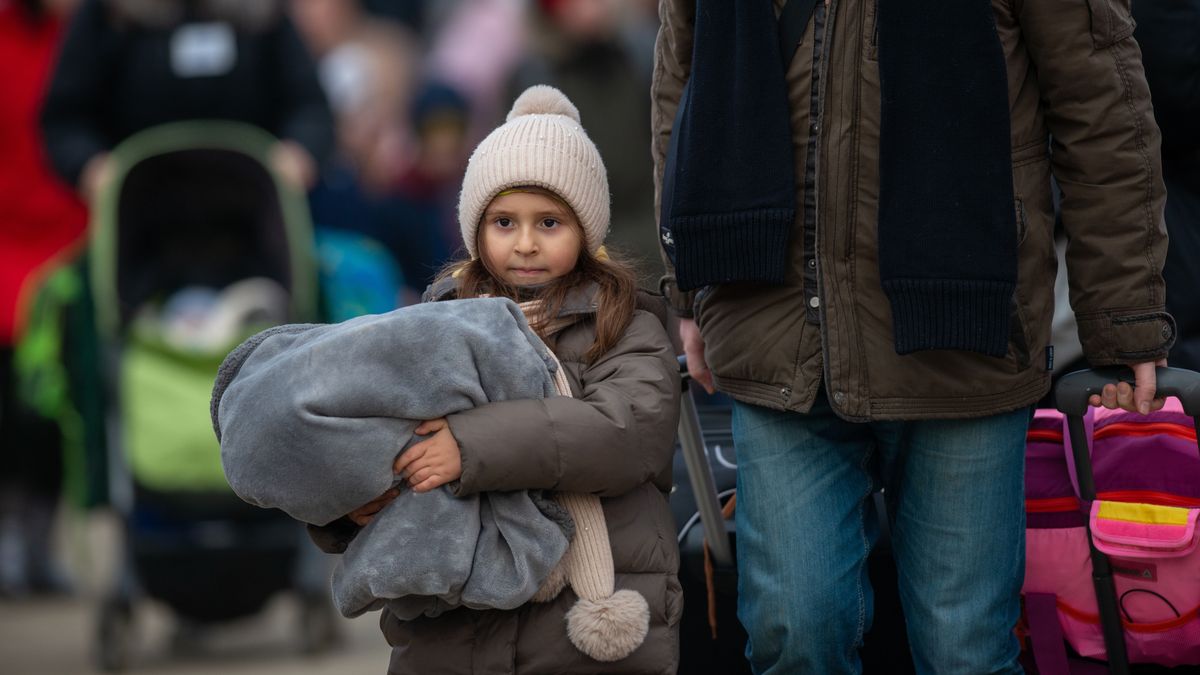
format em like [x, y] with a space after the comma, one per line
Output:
[1112, 21]
[1022, 219]
[871, 34]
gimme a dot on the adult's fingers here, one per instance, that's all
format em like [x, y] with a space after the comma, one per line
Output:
[693, 347]
[1145, 387]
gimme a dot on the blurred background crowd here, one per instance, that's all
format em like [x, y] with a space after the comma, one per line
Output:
[372, 108]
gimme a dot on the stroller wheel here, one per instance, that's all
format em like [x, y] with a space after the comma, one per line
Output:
[318, 626]
[114, 635]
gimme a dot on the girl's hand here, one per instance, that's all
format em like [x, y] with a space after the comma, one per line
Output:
[434, 461]
[363, 514]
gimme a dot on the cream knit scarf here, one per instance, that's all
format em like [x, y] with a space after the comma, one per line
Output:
[603, 624]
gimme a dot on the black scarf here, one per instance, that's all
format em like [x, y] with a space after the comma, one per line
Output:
[947, 233]
[729, 194]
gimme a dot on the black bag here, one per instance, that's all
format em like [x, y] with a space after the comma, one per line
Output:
[707, 457]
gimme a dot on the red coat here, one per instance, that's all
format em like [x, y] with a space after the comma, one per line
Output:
[41, 219]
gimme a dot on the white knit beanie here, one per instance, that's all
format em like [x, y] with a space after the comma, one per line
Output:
[541, 144]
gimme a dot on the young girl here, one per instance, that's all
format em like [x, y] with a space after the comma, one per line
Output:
[533, 213]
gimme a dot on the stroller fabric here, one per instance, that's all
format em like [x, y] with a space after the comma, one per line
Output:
[311, 418]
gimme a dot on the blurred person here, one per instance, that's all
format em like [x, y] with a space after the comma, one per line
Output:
[127, 65]
[370, 72]
[474, 48]
[586, 49]
[440, 117]
[41, 225]
[411, 13]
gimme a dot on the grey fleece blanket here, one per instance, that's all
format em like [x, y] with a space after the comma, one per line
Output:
[311, 417]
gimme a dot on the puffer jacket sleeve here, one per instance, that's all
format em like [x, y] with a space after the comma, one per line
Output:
[617, 434]
[672, 66]
[1106, 158]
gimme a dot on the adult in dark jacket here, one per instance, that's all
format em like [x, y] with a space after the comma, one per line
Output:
[1169, 33]
[869, 236]
[127, 65]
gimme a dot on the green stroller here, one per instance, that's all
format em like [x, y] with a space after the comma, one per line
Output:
[195, 245]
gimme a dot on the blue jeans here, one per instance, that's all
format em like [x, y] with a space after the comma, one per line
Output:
[805, 526]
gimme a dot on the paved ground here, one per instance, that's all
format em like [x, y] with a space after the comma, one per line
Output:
[57, 636]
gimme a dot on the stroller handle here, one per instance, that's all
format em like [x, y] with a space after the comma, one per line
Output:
[1071, 394]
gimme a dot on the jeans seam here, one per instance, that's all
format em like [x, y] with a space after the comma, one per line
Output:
[862, 561]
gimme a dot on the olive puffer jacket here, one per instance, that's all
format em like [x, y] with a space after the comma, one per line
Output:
[615, 438]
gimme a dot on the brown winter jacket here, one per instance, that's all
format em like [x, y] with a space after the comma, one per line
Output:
[614, 439]
[1073, 72]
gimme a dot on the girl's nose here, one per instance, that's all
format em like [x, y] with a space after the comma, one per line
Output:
[526, 241]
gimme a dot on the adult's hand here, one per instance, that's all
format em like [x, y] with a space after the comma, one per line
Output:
[1141, 397]
[693, 347]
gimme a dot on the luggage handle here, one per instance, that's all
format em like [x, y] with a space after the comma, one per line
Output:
[704, 486]
[1071, 397]
[1071, 394]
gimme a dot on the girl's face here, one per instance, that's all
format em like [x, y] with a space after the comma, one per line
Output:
[529, 238]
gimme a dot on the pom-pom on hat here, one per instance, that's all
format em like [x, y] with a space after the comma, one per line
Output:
[541, 144]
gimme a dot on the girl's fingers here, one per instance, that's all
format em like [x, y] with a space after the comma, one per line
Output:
[428, 484]
[419, 475]
[430, 426]
[409, 456]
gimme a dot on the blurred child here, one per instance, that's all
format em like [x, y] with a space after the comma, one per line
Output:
[534, 212]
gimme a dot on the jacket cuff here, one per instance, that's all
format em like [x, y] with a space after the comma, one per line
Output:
[1111, 338]
[680, 302]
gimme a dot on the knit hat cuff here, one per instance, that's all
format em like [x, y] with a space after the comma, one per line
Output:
[714, 248]
[950, 314]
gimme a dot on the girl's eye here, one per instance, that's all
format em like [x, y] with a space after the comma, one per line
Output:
[550, 223]
[504, 222]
